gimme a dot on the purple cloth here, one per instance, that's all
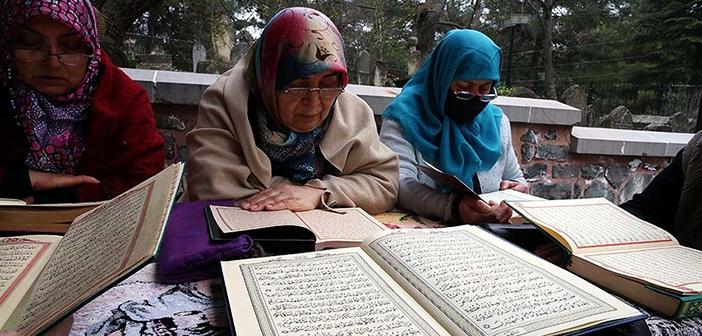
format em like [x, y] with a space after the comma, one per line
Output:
[187, 254]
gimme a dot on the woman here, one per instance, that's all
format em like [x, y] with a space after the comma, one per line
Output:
[278, 131]
[444, 117]
[671, 200]
[73, 127]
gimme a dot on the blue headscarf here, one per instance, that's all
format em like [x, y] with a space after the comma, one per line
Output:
[457, 149]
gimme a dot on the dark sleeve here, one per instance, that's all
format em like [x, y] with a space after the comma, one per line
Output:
[14, 182]
[139, 154]
[658, 203]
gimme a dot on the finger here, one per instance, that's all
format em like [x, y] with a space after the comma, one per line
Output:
[505, 185]
[64, 181]
[477, 205]
[258, 197]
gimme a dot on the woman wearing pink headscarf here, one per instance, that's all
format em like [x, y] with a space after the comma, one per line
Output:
[278, 131]
[73, 127]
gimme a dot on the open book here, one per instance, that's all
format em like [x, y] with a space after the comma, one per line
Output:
[454, 184]
[43, 279]
[618, 251]
[451, 281]
[345, 227]
[18, 216]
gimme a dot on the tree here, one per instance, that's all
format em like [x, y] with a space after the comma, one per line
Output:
[119, 16]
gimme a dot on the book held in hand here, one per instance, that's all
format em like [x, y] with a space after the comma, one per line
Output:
[622, 253]
[43, 278]
[451, 281]
[345, 227]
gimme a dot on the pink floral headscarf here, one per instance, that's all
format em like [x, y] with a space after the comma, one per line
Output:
[297, 42]
[55, 127]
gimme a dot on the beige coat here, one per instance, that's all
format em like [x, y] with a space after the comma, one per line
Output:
[225, 163]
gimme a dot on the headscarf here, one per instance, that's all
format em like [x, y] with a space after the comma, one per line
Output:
[54, 126]
[460, 149]
[296, 43]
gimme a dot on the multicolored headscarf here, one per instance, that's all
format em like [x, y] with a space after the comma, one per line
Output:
[54, 126]
[456, 148]
[297, 42]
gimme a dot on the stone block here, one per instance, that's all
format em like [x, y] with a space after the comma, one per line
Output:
[535, 171]
[591, 171]
[530, 136]
[551, 152]
[551, 134]
[550, 190]
[616, 175]
[598, 188]
[527, 152]
[170, 122]
[566, 171]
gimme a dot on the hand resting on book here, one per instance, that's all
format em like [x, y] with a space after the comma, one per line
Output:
[284, 196]
[476, 211]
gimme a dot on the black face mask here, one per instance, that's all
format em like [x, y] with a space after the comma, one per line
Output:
[463, 111]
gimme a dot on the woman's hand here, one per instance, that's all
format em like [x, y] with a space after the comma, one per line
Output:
[476, 211]
[44, 181]
[285, 196]
[515, 186]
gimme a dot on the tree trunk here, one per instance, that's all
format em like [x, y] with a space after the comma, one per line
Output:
[477, 12]
[119, 17]
[549, 80]
[426, 25]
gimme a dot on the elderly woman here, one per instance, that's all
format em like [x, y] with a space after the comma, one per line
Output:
[73, 127]
[444, 117]
[278, 131]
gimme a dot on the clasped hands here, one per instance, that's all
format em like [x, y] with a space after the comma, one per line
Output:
[476, 211]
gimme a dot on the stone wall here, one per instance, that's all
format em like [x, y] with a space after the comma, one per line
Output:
[555, 172]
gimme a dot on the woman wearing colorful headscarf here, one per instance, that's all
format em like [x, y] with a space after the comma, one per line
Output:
[444, 117]
[278, 131]
[73, 127]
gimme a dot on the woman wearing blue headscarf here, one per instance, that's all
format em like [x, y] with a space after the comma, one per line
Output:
[444, 117]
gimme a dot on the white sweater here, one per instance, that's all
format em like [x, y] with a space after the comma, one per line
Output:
[418, 192]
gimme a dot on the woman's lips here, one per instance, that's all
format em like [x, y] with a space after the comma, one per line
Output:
[50, 80]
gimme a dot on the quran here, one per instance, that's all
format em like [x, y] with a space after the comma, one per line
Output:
[454, 184]
[628, 256]
[45, 278]
[344, 227]
[448, 281]
[18, 216]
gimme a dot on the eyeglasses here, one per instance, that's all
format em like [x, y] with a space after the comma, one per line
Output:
[324, 93]
[465, 95]
[35, 55]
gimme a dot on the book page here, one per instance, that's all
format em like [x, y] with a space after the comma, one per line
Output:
[21, 260]
[596, 223]
[676, 268]
[11, 202]
[101, 246]
[336, 292]
[508, 195]
[353, 225]
[235, 219]
[482, 285]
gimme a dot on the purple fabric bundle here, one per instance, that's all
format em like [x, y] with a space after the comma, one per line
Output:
[187, 254]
